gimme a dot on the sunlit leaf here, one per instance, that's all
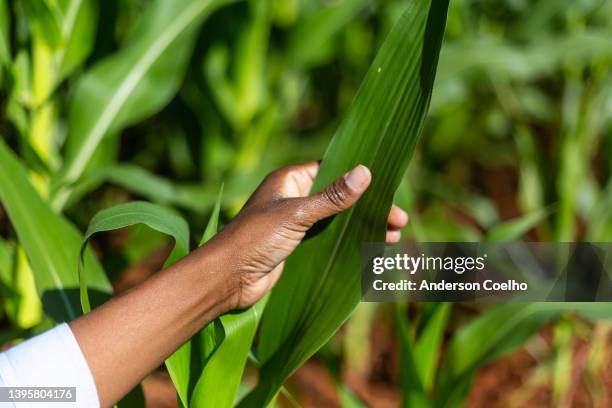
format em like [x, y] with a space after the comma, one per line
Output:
[137, 212]
[133, 83]
[505, 328]
[321, 283]
[50, 242]
[5, 52]
[514, 229]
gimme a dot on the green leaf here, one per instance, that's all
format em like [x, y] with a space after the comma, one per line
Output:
[137, 212]
[515, 228]
[159, 218]
[22, 303]
[523, 63]
[133, 83]
[135, 179]
[20, 93]
[427, 347]
[600, 218]
[311, 40]
[78, 29]
[213, 223]
[219, 382]
[63, 36]
[50, 241]
[240, 97]
[348, 399]
[321, 284]
[410, 379]
[505, 328]
[44, 20]
[5, 51]
[419, 358]
[186, 364]
[207, 369]
[7, 259]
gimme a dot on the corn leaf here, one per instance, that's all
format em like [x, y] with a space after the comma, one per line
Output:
[159, 218]
[7, 259]
[63, 36]
[217, 366]
[78, 28]
[219, 382]
[427, 347]
[219, 352]
[505, 327]
[321, 283]
[124, 215]
[523, 63]
[5, 51]
[51, 243]
[310, 42]
[419, 357]
[413, 388]
[213, 223]
[133, 83]
[44, 20]
[515, 228]
[140, 181]
[188, 361]
[20, 300]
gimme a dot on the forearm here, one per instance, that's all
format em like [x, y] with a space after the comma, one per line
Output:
[131, 335]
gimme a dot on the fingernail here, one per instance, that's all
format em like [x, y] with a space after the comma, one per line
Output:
[358, 178]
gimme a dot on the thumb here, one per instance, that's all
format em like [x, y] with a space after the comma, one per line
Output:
[338, 196]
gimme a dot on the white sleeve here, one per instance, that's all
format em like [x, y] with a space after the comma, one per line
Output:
[51, 359]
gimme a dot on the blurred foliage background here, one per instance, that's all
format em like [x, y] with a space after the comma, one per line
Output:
[518, 145]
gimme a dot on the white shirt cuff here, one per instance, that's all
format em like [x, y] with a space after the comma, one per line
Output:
[51, 359]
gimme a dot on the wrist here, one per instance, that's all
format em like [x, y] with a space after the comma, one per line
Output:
[215, 273]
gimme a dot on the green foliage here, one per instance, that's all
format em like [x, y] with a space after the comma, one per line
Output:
[380, 131]
[514, 229]
[419, 354]
[505, 327]
[49, 240]
[137, 212]
[116, 93]
[106, 102]
[5, 52]
[191, 196]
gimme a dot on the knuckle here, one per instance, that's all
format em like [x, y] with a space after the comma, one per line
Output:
[336, 195]
[273, 175]
[284, 171]
[278, 173]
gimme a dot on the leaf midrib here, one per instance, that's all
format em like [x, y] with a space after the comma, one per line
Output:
[68, 29]
[131, 81]
[305, 320]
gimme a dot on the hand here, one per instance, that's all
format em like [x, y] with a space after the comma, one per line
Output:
[140, 328]
[275, 219]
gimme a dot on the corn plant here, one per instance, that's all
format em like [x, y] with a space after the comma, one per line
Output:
[116, 108]
[113, 93]
[399, 120]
